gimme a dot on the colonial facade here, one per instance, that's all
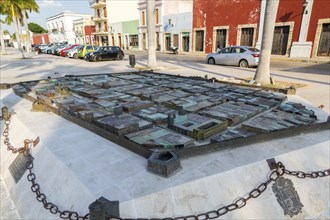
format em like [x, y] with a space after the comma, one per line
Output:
[123, 23]
[302, 28]
[60, 27]
[173, 23]
[100, 36]
[115, 22]
[83, 29]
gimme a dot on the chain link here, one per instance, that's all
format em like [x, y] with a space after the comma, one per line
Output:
[41, 197]
[6, 141]
[280, 170]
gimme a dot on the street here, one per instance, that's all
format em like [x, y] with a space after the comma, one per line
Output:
[314, 74]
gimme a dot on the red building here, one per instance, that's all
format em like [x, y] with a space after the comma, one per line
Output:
[302, 27]
[40, 39]
[89, 29]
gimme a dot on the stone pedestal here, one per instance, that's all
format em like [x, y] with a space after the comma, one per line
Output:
[301, 50]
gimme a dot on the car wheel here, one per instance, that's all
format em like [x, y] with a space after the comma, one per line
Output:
[97, 58]
[120, 57]
[75, 56]
[211, 61]
[243, 64]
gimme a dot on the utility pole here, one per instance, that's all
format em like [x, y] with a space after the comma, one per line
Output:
[152, 61]
[262, 75]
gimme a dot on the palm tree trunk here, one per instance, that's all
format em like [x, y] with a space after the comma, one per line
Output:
[152, 61]
[28, 37]
[18, 34]
[262, 75]
[2, 40]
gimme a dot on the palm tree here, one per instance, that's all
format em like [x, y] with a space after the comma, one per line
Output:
[28, 5]
[11, 9]
[152, 62]
[2, 40]
[262, 75]
[15, 11]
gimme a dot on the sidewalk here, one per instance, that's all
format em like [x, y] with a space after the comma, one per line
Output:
[202, 55]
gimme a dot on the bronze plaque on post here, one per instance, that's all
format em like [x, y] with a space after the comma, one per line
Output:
[18, 167]
[287, 196]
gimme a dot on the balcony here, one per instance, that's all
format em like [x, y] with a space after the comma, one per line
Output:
[100, 17]
[98, 4]
[79, 34]
[101, 31]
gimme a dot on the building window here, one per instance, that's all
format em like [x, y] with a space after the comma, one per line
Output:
[280, 40]
[199, 44]
[247, 37]
[143, 18]
[324, 43]
[156, 16]
[105, 12]
[134, 40]
[221, 37]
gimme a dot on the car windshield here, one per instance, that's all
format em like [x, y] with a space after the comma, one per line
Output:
[253, 49]
[100, 49]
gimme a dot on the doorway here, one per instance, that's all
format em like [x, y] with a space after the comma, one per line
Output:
[247, 36]
[199, 45]
[168, 42]
[280, 41]
[221, 38]
[324, 44]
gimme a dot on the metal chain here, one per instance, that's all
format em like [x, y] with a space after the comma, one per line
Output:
[41, 197]
[280, 170]
[26, 150]
[6, 141]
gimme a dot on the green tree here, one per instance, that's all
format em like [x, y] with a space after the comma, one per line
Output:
[2, 40]
[28, 5]
[16, 12]
[6, 32]
[36, 28]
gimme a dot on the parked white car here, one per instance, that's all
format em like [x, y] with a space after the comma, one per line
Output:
[241, 56]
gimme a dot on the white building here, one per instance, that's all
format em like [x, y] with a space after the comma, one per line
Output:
[80, 31]
[110, 17]
[60, 27]
[119, 13]
[173, 21]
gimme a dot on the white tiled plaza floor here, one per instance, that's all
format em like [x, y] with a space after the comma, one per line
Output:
[75, 167]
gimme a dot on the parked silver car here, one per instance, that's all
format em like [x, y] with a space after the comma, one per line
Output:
[241, 56]
[73, 53]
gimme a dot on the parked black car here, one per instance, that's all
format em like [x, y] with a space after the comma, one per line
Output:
[106, 53]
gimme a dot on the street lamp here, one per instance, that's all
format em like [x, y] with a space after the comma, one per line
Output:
[305, 3]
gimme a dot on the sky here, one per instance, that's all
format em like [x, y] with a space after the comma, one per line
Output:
[49, 8]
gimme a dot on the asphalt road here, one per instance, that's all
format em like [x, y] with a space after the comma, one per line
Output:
[315, 75]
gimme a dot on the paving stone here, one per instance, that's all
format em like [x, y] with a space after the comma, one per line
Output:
[160, 138]
[134, 106]
[270, 95]
[276, 120]
[297, 108]
[231, 134]
[233, 112]
[129, 76]
[156, 115]
[259, 101]
[242, 90]
[214, 85]
[123, 124]
[131, 89]
[195, 126]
